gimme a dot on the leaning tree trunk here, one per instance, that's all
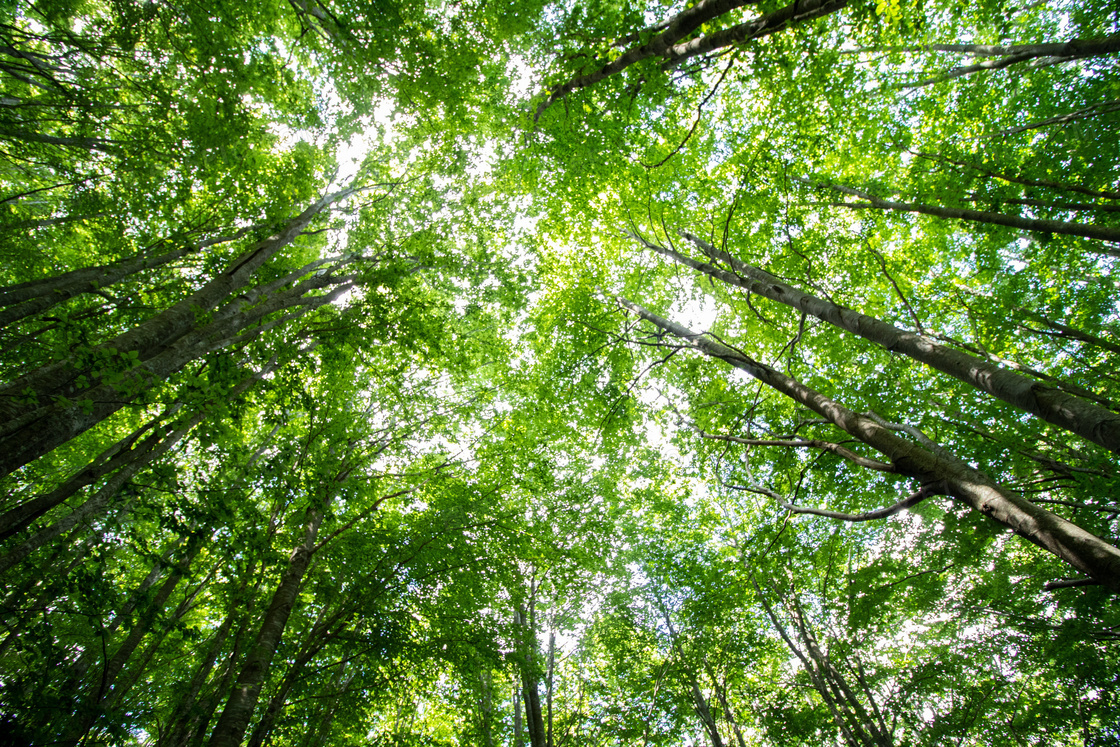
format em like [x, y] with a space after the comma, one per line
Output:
[671, 47]
[234, 721]
[40, 430]
[1067, 228]
[40, 405]
[154, 447]
[103, 689]
[1081, 549]
[1074, 414]
[34, 297]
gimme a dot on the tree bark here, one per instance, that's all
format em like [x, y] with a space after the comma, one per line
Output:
[42, 388]
[122, 452]
[1081, 549]
[1009, 55]
[28, 299]
[678, 27]
[103, 692]
[668, 45]
[43, 429]
[1074, 414]
[234, 721]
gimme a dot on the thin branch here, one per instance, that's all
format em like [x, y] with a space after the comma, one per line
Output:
[926, 491]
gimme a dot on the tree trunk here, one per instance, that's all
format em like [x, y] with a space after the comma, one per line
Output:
[103, 693]
[322, 632]
[234, 721]
[678, 27]
[121, 453]
[182, 720]
[1074, 414]
[530, 685]
[1081, 549]
[150, 342]
[699, 702]
[40, 430]
[97, 503]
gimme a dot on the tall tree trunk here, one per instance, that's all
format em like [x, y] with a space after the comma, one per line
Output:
[677, 28]
[668, 44]
[234, 721]
[530, 685]
[182, 720]
[39, 431]
[699, 702]
[518, 736]
[1081, 549]
[122, 452]
[106, 683]
[1014, 54]
[154, 348]
[322, 632]
[838, 718]
[1074, 414]
[154, 447]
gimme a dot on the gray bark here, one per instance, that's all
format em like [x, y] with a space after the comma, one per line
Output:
[40, 430]
[1085, 230]
[234, 721]
[28, 299]
[1081, 549]
[678, 27]
[1074, 414]
[668, 44]
[153, 337]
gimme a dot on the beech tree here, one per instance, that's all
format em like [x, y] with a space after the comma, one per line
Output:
[537, 375]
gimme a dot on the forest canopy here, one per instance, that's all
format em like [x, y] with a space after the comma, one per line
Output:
[531, 374]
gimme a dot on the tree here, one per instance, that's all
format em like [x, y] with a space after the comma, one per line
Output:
[420, 447]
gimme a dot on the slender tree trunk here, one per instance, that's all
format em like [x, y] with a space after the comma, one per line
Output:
[182, 721]
[518, 737]
[799, 11]
[40, 430]
[85, 279]
[121, 453]
[318, 736]
[1015, 54]
[1081, 549]
[678, 27]
[197, 728]
[1014, 179]
[862, 723]
[103, 690]
[94, 506]
[550, 683]
[1074, 414]
[147, 341]
[486, 706]
[807, 665]
[530, 684]
[322, 632]
[699, 702]
[234, 721]
[100, 499]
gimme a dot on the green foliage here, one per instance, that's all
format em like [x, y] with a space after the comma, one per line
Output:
[524, 490]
